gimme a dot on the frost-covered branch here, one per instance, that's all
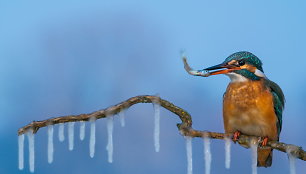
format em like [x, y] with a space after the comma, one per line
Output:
[112, 110]
[245, 140]
[185, 127]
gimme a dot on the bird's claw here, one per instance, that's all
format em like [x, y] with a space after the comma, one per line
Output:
[236, 136]
[264, 141]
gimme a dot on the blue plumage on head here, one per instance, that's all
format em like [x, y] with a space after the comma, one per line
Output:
[249, 57]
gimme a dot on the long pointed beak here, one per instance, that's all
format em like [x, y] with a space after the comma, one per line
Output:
[222, 68]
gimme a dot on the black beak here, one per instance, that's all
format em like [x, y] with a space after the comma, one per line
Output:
[222, 68]
[219, 66]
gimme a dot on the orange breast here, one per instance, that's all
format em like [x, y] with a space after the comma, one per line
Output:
[248, 108]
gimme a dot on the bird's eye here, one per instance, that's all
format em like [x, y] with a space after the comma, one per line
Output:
[241, 62]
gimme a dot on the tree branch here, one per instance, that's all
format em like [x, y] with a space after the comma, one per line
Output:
[185, 127]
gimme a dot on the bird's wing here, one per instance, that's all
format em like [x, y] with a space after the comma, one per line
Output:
[278, 101]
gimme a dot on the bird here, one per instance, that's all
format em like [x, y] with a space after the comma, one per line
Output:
[252, 104]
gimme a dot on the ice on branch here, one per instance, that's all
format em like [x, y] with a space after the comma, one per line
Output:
[156, 107]
[71, 135]
[189, 154]
[21, 152]
[50, 144]
[109, 147]
[92, 140]
[207, 155]
[122, 118]
[254, 147]
[31, 138]
[227, 152]
[291, 158]
[82, 130]
[61, 135]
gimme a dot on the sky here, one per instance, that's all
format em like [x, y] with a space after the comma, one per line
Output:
[61, 58]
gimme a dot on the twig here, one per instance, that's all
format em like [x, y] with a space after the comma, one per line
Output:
[185, 127]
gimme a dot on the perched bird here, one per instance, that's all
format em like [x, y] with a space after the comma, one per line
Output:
[252, 104]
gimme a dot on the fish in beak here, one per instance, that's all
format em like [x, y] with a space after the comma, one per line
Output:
[222, 68]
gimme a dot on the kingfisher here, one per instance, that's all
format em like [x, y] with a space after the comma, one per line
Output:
[252, 104]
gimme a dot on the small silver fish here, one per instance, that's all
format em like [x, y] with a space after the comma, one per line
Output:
[203, 73]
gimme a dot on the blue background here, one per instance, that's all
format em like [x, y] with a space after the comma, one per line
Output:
[60, 58]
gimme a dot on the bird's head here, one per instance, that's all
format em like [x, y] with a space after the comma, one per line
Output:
[239, 66]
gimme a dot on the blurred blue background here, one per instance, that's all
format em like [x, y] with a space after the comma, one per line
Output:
[59, 58]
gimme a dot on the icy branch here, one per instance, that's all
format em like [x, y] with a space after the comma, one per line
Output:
[185, 127]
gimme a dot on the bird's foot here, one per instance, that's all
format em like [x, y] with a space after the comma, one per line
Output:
[236, 136]
[264, 141]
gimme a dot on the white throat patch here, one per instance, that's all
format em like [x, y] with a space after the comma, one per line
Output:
[236, 77]
[240, 78]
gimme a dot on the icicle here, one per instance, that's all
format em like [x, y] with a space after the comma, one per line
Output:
[189, 154]
[61, 136]
[71, 135]
[156, 125]
[92, 140]
[254, 147]
[227, 152]
[21, 152]
[109, 147]
[207, 155]
[292, 163]
[291, 159]
[82, 130]
[31, 149]
[50, 144]
[122, 119]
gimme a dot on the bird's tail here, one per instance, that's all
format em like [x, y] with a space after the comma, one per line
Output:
[264, 156]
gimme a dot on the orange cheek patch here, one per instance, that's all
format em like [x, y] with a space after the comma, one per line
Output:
[249, 68]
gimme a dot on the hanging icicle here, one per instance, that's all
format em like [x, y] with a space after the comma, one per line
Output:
[189, 154]
[109, 147]
[254, 147]
[82, 130]
[122, 118]
[207, 154]
[31, 138]
[71, 135]
[227, 152]
[50, 144]
[61, 135]
[21, 152]
[156, 107]
[292, 159]
[92, 140]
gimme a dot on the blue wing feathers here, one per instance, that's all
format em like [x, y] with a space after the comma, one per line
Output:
[278, 101]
